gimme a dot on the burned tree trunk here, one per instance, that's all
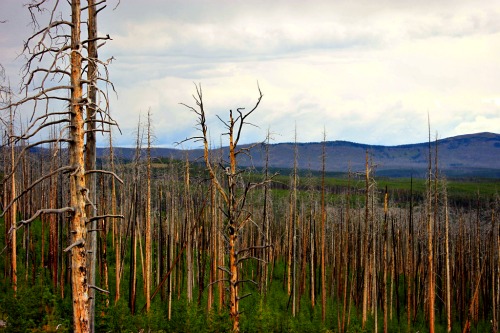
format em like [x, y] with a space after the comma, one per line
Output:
[78, 189]
[233, 197]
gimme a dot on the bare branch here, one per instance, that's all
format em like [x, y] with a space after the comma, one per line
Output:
[204, 137]
[244, 116]
[43, 118]
[215, 282]
[96, 39]
[43, 92]
[243, 281]
[64, 168]
[225, 270]
[26, 136]
[106, 173]
[244, 296]
[44, 211]
[98, 289]
[102, 217]
[79, 242]
[95, 5]
[240, 260]
[38, 143]
[250, 248]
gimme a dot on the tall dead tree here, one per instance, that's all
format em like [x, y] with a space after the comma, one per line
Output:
[365, 256]
[9, 187]
[430, 244]
[90, 150]
[447, 263]
[233, 194]
[60, 52]
[12, 216]
[147, 278]
[323, 231]
[293, 226]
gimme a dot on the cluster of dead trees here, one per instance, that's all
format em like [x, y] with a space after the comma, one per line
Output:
[363, 251]
[211, 232]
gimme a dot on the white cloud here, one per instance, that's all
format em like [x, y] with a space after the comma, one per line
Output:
[368, 71]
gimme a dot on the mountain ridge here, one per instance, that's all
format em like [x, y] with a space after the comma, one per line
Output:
[468, 155]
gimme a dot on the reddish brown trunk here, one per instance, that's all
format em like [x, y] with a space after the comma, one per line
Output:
[77, 183]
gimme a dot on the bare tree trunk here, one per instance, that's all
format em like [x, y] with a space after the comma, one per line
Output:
[289, 235]
[90, 155]
[385, 254]
[189, 248]
[133, 220]
[312, 256]
[430, 244]
[234, 212]
[265, 222]
[104, 246]
[213, 246]
[116, 228]
[133, 254]
[374, 263]
[79, 276]
[409, 261]
[293, 217]
[13, 209]
[233, 224]
[496, 269]
[161, 241]
[365, 256]
[323, 232]
[346, 252]
[147, 276]
[53, 220]
[5, 203]
[447, 263]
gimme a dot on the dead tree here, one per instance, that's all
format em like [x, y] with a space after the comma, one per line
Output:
[148, 216]
[430, 241]
[58, 57]
[233, 193]
[323, 231]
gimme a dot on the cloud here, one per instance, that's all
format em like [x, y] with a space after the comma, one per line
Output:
[367, 71]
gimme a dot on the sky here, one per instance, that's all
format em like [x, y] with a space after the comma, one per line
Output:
[368, 71]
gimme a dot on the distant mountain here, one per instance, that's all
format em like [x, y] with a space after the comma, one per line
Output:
[472, 155]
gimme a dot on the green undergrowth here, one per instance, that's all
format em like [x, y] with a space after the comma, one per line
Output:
[36, 308]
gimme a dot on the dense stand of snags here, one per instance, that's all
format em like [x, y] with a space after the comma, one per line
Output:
[212, 232]
[363, 250]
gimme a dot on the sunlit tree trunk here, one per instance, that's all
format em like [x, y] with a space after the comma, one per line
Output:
[384, 255]
[409, 260]
[115, 225]
[79, 278]
[447, 263]
[430, 244]
[149, 248]
[293, 217]
[189, 247]
[13, 209]
[53, 227]
[365, 256]
[323, 233]
[235, 213]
